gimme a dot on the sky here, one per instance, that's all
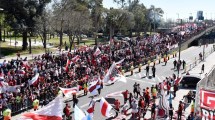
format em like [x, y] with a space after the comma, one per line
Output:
[177, 8]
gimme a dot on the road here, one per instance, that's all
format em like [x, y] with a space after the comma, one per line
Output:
[161, 72]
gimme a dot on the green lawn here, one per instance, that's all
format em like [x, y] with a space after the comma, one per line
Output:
[7, 50]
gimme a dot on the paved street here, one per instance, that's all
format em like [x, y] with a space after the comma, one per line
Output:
[161, 72]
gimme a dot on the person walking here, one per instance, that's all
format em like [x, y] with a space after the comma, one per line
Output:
[170, 111]
[184, 64]
[67, 111]
[125, 96]
[75, 101]
[153, 71]
[174, 63]
[203, 68]
[180, 109]
[147, 70]
[135, 88]
[130, 99]
[138, 90]
[153, 110]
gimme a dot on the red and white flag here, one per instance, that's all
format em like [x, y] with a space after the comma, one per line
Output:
[97, 52]
[105, 107]
[22, 72]
[25, 64]
[76, 58]
[34, 80]
[68, 91]
[67, 65]
[94, 87]
[90, 109]
[52, 111]
[107, 76]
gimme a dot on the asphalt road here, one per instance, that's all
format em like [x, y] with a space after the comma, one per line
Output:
[161, 72]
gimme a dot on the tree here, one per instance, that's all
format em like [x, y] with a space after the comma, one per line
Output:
[96, 8]
[119, 20]
[74, 18]
[43, 26]
[154, 16]
[140, 15]
[122, 3]
[22, 14]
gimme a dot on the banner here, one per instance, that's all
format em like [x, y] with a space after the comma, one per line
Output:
[207, 104]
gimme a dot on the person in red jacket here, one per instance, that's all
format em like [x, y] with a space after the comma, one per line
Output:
[117, 106]
[67, 111]
[125, 96]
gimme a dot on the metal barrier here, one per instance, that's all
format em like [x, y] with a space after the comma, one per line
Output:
[24, 105]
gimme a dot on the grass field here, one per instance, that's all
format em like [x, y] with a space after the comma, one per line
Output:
[7, 50]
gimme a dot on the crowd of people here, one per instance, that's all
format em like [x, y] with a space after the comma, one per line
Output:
[84, 65]
[140, 101]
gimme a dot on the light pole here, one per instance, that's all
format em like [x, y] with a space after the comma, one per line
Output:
[179, 56]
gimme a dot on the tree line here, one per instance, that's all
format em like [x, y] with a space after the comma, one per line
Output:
[77, 17]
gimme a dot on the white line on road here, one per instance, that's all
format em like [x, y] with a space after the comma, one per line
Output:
[153, 78]
[163, 77]
[139, 75]
[141, 81]
[158, 78]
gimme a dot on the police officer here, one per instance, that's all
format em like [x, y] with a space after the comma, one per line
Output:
[132, 70]
[36, 104]
[7, 114]
[140, 65]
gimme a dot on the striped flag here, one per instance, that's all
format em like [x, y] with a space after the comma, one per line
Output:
[78, 113]
[97, 52]
[52, 111]
[67, 65]
[105, 107]
[163, 107]
[94, 87]
[68, 91]
[76, 58]
[34, 80]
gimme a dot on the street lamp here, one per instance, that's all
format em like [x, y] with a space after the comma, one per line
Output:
[181, 34]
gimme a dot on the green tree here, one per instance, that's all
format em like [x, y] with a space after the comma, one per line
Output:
[22, 14]
[96, 8]
[119, 20]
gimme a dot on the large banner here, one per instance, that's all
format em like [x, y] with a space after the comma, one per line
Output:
[207, 104]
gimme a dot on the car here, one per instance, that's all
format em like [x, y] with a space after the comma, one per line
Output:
[189, 81]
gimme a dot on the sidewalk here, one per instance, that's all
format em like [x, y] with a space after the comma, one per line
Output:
[209, 63]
